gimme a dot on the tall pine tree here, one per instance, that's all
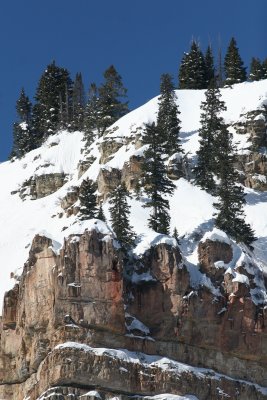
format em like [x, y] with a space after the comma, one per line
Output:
[78, 104]
[101, 214]
[111, 104]
[209, 67]
[91, 117]
[53, 108]
[175, 235]
[168, 121]
[219, 74]
[264, 68]
[211, 124]
[23, 138]
[155, 182]
[87, 199]
[231, 198]
[192, 72]
[235, 72]
[119, 215]
[256, 70]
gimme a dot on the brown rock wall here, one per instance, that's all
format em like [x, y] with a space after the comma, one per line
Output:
[80, 295]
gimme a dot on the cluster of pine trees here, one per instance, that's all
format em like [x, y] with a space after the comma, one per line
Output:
[215, 169]
[198, 71]
[214, 172]
[162, 140]
[60, 103]
[119, 210]
[258, 69]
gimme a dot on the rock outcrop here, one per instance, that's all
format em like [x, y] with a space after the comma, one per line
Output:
[132, 171]
[69, 310]
[254, 124]
[252, 164]
[209, 253]
[108, 148]
[67, 203]
[108, 180]
[84, 165]
[42, 185]
[253, 167]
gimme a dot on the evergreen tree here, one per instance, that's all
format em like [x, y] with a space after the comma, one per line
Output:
[231, 198]
[119, 215]
[183, 75]
[155, 182]
[111, 96]
[101, 214]
[176, 236]
[138, 189]
[211, 124]
[39, 133]
[23, 140]
[256, 70]
[91, 118]
[209, 67]
[78, 104]
[53, 108]
[192, 73]
[264, 69]
[168, 121]
[235, 72]
[219, 76]
[87, 199]
[65, 106]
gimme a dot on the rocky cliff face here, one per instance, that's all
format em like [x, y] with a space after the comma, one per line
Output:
[70, 309]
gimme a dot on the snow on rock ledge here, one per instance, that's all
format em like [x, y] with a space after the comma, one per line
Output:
[136, 369]
[216, 235]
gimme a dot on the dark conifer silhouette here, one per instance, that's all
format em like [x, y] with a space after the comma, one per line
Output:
[91, 117]
[235, 72]
[231, 198]
[256, 70]
[155, 182]
[119, 215]
[176, 236]
[168, 117]
[23, 137]
[209, 67]
[78, 104]
[211, 125]
[112, 104]
[101, 214]
[53, 108]
[87, 199]
[192, 73]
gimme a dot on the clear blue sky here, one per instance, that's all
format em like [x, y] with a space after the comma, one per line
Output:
[142, 38]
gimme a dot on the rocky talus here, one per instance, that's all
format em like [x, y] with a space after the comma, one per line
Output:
[84, 324]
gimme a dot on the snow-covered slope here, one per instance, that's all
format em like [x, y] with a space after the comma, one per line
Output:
[191, 208]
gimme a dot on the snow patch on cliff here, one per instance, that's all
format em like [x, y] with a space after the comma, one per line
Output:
[150, 361]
